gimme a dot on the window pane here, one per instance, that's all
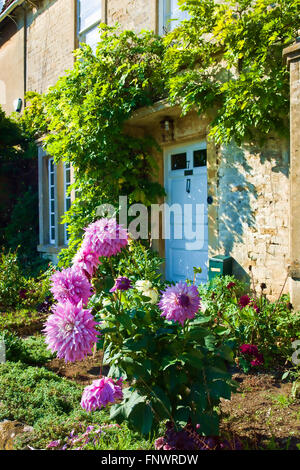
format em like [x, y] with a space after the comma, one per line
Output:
[68, 179]
[92, 38]
[178, 161]
[172, 11]
[52, 220]
[53, 233]
[200, 157]
[68, 204]
[52, 208]
[52, 193]
[89, 13]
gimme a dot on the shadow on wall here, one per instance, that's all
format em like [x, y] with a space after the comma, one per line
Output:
[280, 157]
[236, 195]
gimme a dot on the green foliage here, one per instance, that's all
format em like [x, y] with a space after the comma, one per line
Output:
[85, 114]
[18, 198]
[16, 290]
[228, 59]
[136, 262]
[44, 400]
[22, 321]
[22, 231]
[272, 327]
[30, 393]
[51, 405]
[175, 373]
[16, 142]
[31, 350]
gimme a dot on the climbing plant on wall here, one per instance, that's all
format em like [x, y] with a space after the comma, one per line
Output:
[225, 60]
[84, 114]
[18, 183]
[228, 59]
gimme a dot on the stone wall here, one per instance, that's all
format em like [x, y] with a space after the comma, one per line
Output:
[292, 57]
[133, 14]
[11, 62]
[253, 212]
[51, 40]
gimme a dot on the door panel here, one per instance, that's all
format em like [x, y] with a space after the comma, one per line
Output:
[187, 246]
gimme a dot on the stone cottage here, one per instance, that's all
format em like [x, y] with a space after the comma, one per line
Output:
[249, 194]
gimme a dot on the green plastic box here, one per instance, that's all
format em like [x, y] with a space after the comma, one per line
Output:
[219, 265]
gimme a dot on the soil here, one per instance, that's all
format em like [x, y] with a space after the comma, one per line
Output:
[81, 372]
[260, 415]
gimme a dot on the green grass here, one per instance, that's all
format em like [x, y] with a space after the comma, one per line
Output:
[31, 350]
[23, 321]
[51, 404]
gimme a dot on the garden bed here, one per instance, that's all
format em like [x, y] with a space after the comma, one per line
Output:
[262, 414]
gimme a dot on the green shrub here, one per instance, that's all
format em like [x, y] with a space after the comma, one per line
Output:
[22, 321]
[16, 290]
[42, 399]
[272, 327]
[175, 373]
[10, 280]
[31, 350]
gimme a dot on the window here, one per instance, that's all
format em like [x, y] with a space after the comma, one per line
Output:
[178, 161]
[67, 198]
[89, 18]
[169, 10]
[51, 183]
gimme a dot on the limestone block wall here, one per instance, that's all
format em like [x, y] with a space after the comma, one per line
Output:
[51, 36]
[253, 212]
[133, 14]
[11, 62]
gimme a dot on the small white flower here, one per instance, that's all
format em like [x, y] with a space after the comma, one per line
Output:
[143, 285]
[153, 294]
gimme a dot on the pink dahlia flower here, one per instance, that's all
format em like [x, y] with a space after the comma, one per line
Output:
[86, 260]
[101, 392]
[105, 237]
[70, 331]
[71, 284]
[180, 302]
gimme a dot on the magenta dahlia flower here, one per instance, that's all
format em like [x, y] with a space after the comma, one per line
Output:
[121, 283]
[105, 237]
[70, 331]
[71, 284]
[244, 301]
[101, 392]
[258, 361]
[249, 349]
[180, 302]
[86, 260]
[231, 285]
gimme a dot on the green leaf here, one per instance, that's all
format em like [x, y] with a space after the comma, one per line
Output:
[209, 423]
[182, 415]
[141, 417]
[161, 403]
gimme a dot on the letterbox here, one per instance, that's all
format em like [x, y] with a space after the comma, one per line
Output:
[219, 265]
